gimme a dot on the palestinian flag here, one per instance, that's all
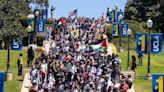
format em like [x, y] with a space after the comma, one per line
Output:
[61, 21]
[101, 46]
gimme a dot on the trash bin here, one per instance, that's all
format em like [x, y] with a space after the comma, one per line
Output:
[2, 78]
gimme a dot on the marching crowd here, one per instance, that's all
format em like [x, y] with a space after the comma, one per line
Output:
[72, 66]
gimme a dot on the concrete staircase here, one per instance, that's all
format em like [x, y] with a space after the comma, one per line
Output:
[46, 45]
[26, 81]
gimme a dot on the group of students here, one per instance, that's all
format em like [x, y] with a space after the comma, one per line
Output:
[72, 66]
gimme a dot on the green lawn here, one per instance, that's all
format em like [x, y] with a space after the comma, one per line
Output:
[15, 85]
[140, 84]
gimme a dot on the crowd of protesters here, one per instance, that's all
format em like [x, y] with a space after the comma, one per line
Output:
[72, 66]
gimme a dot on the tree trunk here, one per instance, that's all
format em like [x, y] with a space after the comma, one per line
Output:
[8, 58]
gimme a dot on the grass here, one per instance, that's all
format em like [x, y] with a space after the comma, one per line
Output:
[15, 85]
[140, 84]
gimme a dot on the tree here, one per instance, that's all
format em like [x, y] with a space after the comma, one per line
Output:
[141, 10]
[11, 28]
[45, 2]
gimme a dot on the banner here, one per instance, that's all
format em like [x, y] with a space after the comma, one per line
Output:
[118, 14]
[156, 43]
[110, 16]
[124, 30]
[141, 42]
[2, 78]
[44, 14]
[40, 25]
[16, 45]
[113, 16]
[157, 83]
[115, 29]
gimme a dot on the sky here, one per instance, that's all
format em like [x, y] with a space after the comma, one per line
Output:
[87, 8]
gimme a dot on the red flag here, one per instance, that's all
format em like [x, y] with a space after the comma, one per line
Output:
[61, 21]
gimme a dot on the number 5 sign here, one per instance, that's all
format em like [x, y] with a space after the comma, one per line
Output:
[157, 83]
[156, 43]
[41, 25]
[16, 45]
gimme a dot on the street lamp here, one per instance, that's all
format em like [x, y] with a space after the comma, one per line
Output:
[149, 25]
[36, 14]
[29, 28]
[30, 16]
[129, 33]
[52, 9]
[120, 17]
[116, 6]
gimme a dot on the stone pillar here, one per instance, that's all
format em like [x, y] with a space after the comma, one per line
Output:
[9, 76]
[24, 71]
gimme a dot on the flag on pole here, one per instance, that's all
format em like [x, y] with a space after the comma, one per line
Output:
[61, 21]
[101, 46]
[73, 13]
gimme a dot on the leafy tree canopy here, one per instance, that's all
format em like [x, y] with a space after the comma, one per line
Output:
[11, 11]
[141, 10]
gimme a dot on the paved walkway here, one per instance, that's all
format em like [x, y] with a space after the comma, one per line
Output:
[26, 83]
[132, 89]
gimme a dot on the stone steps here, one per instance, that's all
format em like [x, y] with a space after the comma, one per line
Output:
[26, 83]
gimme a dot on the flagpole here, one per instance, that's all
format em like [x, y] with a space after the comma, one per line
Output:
[77, 11]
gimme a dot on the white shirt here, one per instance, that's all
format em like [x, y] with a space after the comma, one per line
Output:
[93, 70]
[75, 90]
[34, 46]
[74, 69]
[44, 68]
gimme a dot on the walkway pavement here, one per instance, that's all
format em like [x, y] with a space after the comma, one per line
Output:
[26, 83]
[132, 89]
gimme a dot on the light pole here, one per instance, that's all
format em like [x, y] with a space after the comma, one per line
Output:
[149, 25]
[29, 28]
[116, 6]
[52, 9]
[129, 33]
[36, 14]
[120, 17]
